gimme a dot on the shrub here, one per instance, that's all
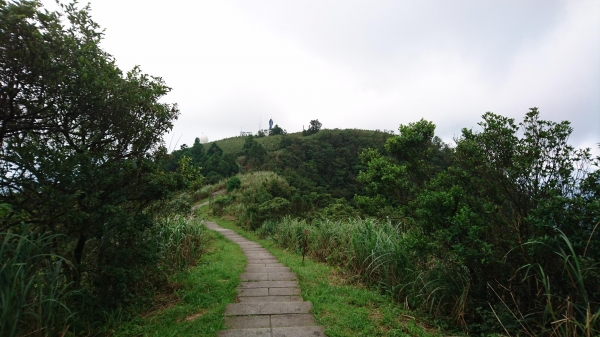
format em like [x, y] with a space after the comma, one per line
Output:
[233, 183]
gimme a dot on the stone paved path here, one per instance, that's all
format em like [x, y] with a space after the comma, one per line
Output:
[269, 298]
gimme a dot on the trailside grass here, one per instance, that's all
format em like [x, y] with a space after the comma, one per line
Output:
[197, 305]
[341, 307]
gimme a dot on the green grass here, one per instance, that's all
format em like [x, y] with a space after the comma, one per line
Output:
[234, 145]
[196, 306]
[342, 307]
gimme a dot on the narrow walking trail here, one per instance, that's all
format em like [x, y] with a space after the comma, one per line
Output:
[270, 304]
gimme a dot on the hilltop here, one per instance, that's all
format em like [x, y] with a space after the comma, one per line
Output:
[325, 162]
[234, 145]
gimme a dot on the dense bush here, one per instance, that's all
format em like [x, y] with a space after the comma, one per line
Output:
[214, 164]
[233, 183]
[83, 179]
[513, 206]
[497, 234]
[39, 299]
[261, 196]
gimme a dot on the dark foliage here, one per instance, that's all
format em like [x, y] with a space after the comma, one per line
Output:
[313, 127]
[233, 183]
[513, 207]
[81, 156]
[276, 130]
[215, 164]
[322, 167]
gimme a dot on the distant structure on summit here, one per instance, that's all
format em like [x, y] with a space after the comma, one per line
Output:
[244, 134]
[203, 138]
[270, 123]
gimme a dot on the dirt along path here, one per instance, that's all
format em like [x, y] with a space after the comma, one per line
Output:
[269, 298]
[195, 207]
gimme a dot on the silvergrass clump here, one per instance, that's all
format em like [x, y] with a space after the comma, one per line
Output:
[38, 299]
[180, 241]
[34, 291]
[383, 254]
[570, 313]
[403, 263]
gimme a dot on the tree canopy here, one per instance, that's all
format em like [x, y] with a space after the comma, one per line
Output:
[313, 127]
[81, 143]
[277, 130]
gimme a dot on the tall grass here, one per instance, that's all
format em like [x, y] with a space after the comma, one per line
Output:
[562, 313]
[37, 297]
[383, 254]
[180, 241]
[207, 190]
[35, 293]
[402, 263]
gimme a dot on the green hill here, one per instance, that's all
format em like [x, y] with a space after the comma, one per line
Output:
[326, 162]
[234, 145]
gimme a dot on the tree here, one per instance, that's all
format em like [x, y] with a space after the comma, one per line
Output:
[80, 142]
[254, 152]
[509, 211]
[233, 183]
[197, 151]
[414, 157]
[276, 130]
[313, 127]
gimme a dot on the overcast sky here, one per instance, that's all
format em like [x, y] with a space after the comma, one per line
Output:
[362, 64]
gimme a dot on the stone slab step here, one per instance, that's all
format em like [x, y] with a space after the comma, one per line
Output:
[269, 292]
[299, 331]
[244, 299]
[284, 291]
[262, 260]
[266, 269]
[290, 320]
[269, 284]
[266, 321]
[267, 308]
[254, 292]
[302, 331]
[261, 332]
[260, 254]
[247, 322]
[281, 276]
[263, 264]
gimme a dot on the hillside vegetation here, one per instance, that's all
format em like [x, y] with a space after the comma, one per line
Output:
[90, 225]
[498, 234]
[319, 167]
[234, 145]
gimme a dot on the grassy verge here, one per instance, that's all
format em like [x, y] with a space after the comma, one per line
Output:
[196, 306]
[343, 308]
